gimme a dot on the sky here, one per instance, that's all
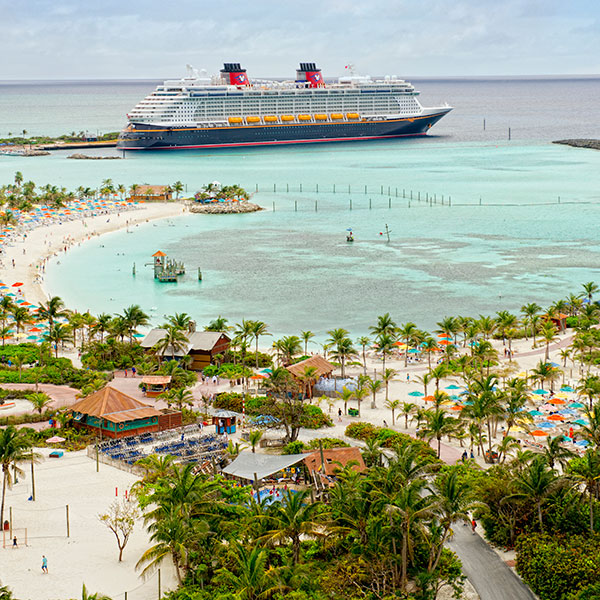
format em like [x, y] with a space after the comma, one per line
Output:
[155, 39]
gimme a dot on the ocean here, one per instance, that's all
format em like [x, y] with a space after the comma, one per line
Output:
[521, 226]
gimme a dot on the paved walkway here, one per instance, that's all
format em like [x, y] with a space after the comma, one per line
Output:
[490, 576]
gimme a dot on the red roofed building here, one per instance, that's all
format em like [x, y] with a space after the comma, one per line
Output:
[114, 414]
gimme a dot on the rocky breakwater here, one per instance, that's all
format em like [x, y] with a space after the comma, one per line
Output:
[580, 143]
[225, 208]
[88, 157]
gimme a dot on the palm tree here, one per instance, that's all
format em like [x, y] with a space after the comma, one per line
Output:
[439, 372]
[449, 326]
[178, 397]
[85, 595]
[346, 395]
[405, 331]
[387, 376]
[385, 326]
[392, 405]
[155, 466]
[363, 342]
[293, 519]
[39, 401]
[15, 447]
[306, 336]
[535, 483]
[548, 334]
[254, 438]
[218, 324]
[182, 321]
[586, 470]
[258, 328]
[408, 408]
[591, 431]
[589, 289]
[177, 187]
[289, 346]
[454, 500]
[309, 377]
[134, 317]
[58, 334]
[359, 395]
[385, 344]
[374, 385]
[438, 424]
[555, 452]
[102, 325]
[173, 338]
[590, 387]
[343, 348]
[251, 577]
[21, 317]
[487, 326]
[484, 406]
[529, 311]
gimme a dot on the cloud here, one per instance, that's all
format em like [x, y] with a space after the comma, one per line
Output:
[153, 39]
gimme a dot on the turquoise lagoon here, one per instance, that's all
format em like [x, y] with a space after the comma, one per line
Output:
[292, 267]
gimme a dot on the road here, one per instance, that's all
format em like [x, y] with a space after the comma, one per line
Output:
[490, 576]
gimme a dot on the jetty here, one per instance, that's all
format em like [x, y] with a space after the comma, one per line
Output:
[580, 143]
[166, 269]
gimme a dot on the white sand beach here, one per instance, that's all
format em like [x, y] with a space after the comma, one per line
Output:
[28, 252]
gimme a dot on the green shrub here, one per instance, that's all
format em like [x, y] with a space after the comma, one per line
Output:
[327, 443]
[589, 592]
[361, 431]
[29, 353]
[314, 418]
[229, 401]
[557, 566]
[294, 447]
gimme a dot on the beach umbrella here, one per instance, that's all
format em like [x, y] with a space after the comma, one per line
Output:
[138, 335]
[567, 411]
[17, 284]
[536, 413]
[453, 387]
[266, 371]
[37, 329]
[258, 376]
[582, 443]
[556, 417]
[457, 407]
[576, 405]
[444, 335]
[32, 337]
[580, 422]
[55, 439]
[413, 351]
[454, 397]
[429, 398]
[540, 392]
[566, 388]
[416, 393]
[556, 401]
[445, 343]
[546, 425]
[539, 433]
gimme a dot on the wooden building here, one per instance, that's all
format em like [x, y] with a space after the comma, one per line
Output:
[324, 465]
[151, 193]
[154, 385]
[202, 346]
[113, 414]
[319, 367]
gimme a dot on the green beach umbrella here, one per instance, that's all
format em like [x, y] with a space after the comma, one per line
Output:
[416, 393]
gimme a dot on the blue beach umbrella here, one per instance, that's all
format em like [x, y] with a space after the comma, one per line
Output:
[416, 393]
[582, 443]
[566, 388]
[576, 405]
[138, 335]
[536, 413]
[413, 351]
[580, 422]
[453, 387]
[546, 425]
[540, 392]
[32, 337]
[454, 397]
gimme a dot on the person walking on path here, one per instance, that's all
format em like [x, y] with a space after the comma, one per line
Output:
[15, 545]
[44, 564]
[473, 525]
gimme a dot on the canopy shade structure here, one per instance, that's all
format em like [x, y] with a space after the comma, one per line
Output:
[247, 464]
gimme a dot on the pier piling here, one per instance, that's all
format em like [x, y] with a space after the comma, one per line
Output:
[295, 205]
[370, 204]
[350, 203]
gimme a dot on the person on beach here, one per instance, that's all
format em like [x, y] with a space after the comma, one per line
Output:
[15, 545]
[408, 378]
[340, 415]
[44, 564]
[473, 525]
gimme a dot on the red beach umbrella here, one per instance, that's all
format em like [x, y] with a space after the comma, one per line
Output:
[17, 284]
[539, 433]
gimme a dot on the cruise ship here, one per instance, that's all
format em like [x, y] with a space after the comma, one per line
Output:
[228, 110]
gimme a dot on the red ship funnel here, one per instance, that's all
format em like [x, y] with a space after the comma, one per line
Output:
[233, 74]
[309, 73]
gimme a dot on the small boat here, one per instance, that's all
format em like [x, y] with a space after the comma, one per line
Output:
[349, 235]
[7, 405]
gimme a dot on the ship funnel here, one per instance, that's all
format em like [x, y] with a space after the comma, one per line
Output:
[233, 74]
[309, 73]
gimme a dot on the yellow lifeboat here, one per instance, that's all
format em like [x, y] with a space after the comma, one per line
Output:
[352, 115]
[337, 116]
[252, 119]
[321, 117]
[235, 120]
[270, 119]
[304, 118]
[287, 117]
